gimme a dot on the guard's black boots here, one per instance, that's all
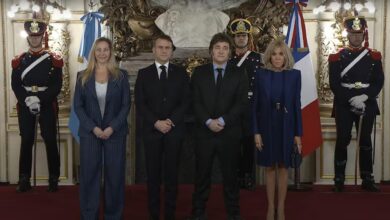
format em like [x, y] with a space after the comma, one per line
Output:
[338, 184]
[369, 185]
[24, 184]
[53, 184]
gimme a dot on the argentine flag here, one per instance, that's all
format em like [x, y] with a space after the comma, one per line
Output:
[92, 31]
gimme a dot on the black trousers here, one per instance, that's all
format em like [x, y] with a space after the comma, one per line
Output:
[344, 123]
[160, 149]
[227, 152]
[247, 156]
[48, 125]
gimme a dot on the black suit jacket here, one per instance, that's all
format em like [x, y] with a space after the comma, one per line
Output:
[228, 103]
[156, 101]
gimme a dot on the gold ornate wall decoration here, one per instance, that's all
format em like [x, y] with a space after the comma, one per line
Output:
[132, 25]
[132, 22]
[266, 17]
[191, 62]
[59, 40]
[326, 47]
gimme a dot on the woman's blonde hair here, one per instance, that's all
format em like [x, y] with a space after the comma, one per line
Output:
[112, 65]
[288, 58]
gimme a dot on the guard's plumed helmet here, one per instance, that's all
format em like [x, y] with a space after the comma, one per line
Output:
[35, 27]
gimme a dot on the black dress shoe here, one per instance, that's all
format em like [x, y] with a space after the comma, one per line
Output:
[241, 182]
[153, 217]
[338, 187]
[53, 184]
[234, 217]
[370, 186]
[249, 182]
[24, 184]
[197, 217]
[169, 217]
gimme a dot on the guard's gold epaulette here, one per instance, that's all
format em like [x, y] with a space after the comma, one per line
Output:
[376, 55]
[16, 60]
[56, 59]
[334, 56]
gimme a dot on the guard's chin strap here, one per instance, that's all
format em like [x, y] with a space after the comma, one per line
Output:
[251, 44]
[46, 40]
[366, 38]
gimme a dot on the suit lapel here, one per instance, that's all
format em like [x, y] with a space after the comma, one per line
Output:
[288, 92]
[91, 86]
[171, 72]
[112, 85]
[210, 77]
[267, 83]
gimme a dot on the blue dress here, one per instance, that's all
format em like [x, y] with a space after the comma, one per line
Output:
[271, 155]
[277, 118]
[277, 124]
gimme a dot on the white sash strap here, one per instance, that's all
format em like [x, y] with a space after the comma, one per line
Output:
[243, 58]
[32, 65]
[361, 55]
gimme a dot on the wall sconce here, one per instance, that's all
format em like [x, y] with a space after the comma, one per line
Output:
[345, 5]
[47, 9]
[341, 10]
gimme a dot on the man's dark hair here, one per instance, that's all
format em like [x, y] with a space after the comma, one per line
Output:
[220, 37]
[164, 37]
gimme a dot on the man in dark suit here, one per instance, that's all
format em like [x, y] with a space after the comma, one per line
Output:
[162, 98]
[219, 97]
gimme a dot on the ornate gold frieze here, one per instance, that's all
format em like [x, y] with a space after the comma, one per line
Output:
[191, 62]
[59, 40]
[132, 22]
[132, 25]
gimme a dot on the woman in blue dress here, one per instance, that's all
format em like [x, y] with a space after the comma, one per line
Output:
[277, 121]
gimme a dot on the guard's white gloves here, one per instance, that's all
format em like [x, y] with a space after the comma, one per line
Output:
[35, 108]
[358, 100]
[31, 100]
[361, 106]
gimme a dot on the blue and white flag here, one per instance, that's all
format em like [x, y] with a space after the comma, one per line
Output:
[92, 31]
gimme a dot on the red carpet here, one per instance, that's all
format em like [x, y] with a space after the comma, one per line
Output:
[318, 204]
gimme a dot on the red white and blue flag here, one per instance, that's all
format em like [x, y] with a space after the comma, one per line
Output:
[296, 39]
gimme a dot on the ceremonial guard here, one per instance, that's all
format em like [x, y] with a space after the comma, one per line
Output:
[36, 82]
[246, 58]
[356, 78]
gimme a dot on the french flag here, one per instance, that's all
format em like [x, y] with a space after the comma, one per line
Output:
[296, 39]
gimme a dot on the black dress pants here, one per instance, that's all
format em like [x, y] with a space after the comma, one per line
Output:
[227, 152]
[47, 123]
[344, 123]
[162, 152]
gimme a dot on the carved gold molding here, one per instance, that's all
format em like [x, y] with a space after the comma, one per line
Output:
[133, 28]
[132, 25]
[59, 40]
[191, 62]
[326, 47]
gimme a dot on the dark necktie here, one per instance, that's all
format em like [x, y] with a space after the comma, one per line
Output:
[219, 77]
[163, 74]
